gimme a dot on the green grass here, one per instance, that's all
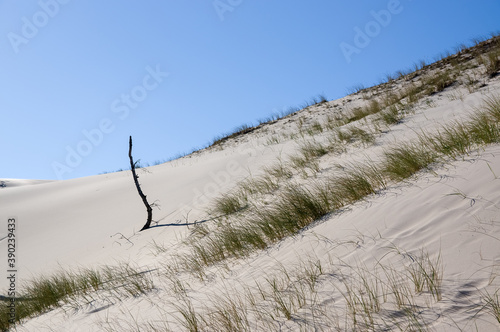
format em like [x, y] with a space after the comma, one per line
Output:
[482, 129]
[229, 203]
[315, 128]
[359, 113]
[263, 184]
[303, 162]
[492, 107]
[356, 89]
[452, 140]
[351, 186]
[390, 99]
[353, 134]
[239, 131]
[412, 93]
[294, 207]
[228, 313]
[405, 160]
[427, 275]
[491, 63]
[312, 149]
[279, 171]
[291, 208]
[391, 115]
[190, 321]
[45, 293]
[438, 81]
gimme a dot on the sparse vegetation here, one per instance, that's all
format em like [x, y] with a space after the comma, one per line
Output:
[438, 81]
[427, 275]
[361, 112]
[75, 289]
[229, 204]
[405, 160]
[493, 304]
[378, 297]
[391, 116]
[356, 88]
[295, 207]
[353, 134]
[263, 210]
[491, 63]
[279, 171]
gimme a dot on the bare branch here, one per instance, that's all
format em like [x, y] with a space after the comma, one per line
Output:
[139, 190]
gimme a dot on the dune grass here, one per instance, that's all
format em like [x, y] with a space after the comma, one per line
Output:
[492, 304]
[279, 170]
[427, 275]
[438, 81]
[491, 62]
[63, 288]
[361, 112]
[391, 115]
[374, 298]
[407, 159]
[294, 207]
[353, 134]
[229, 203]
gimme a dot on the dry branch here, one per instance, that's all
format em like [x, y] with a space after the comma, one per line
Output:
[139, 190]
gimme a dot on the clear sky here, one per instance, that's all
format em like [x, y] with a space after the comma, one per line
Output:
[78, 77]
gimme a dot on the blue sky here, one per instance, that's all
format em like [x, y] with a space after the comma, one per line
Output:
[78, 77]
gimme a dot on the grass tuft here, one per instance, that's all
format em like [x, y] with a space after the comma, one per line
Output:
[438, 81]
[405, 160]
[229, 203]
[391, 116]
[352, 186]
[492, 107]
[482, 129]
[359, 113]
[491, 62]
[493, 304]
[294, 209]
[427, 274]
[45, 293]
[353, 134]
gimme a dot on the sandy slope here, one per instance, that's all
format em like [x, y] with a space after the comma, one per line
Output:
[9, 183]
[452, 212]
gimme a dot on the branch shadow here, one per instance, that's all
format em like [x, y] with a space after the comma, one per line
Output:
[182, 223]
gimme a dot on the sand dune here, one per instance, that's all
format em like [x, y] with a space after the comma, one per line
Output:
[445, 217]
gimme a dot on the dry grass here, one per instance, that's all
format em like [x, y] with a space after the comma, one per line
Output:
[76, 289]
[294, 207]
[438, 81]
[369, 293]
[491, 63]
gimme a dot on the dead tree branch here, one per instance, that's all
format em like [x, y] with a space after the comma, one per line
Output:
[139, 190]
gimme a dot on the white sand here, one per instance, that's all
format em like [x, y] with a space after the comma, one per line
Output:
[452, 212]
